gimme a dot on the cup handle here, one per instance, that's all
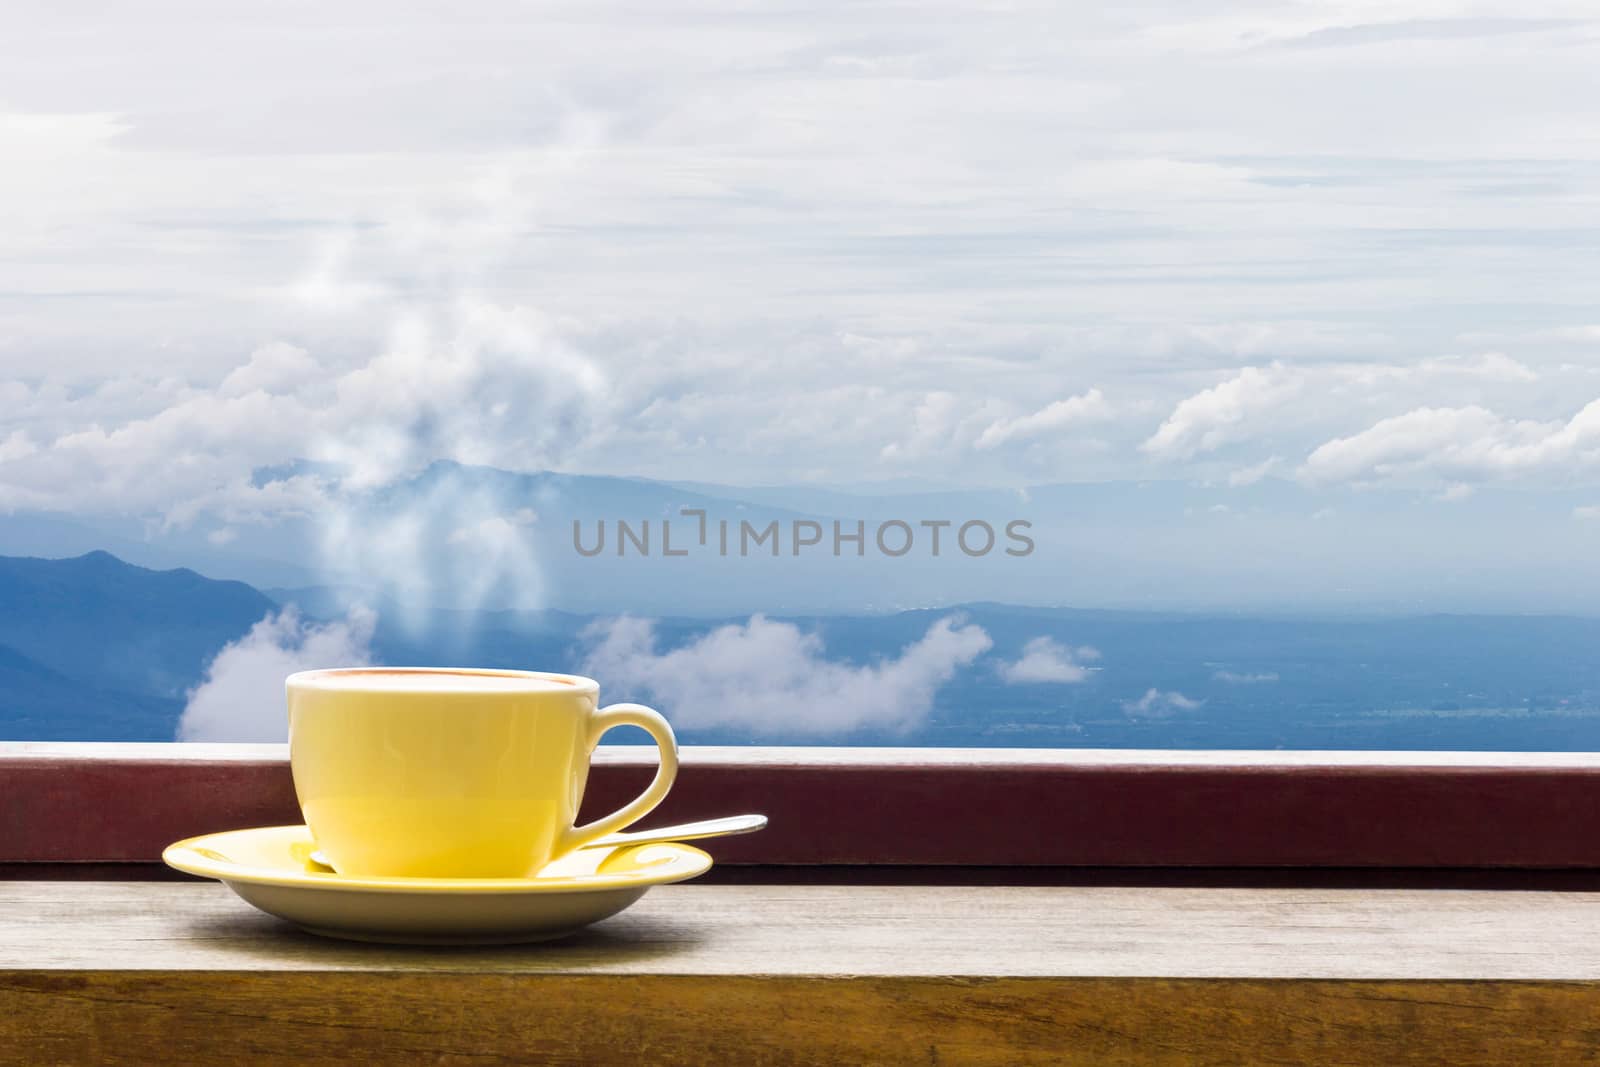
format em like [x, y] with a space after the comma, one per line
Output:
[652, 723]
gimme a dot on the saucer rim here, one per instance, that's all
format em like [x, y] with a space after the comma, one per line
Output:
[688, 862]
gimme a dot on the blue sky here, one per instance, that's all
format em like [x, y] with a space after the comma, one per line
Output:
[1344, 244]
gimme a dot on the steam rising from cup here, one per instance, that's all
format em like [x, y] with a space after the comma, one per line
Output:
[461, 381]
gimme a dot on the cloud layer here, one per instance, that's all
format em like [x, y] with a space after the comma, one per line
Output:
[1011, 244]
[464, 381]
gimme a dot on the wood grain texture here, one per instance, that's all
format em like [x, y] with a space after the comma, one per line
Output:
[882, 931]
[143, 973]
[124, 803]
[375, 1019]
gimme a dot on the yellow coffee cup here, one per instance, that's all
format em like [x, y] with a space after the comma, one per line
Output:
[421, 772]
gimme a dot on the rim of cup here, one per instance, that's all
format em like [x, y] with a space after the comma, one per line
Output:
[314, 679]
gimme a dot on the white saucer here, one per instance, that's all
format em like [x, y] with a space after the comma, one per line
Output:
[271, 868]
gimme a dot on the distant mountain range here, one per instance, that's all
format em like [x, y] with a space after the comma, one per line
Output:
[476, 537]
[94, 644]
[94, 648]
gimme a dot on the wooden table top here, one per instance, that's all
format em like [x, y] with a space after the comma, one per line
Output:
[1004, 931]
[113, 971]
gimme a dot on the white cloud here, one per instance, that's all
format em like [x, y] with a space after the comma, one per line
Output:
[1245, 678]
[276, 368]
[932, 424]
[1586, 512]
[1284, 402]
[194, 450]
[329, 284]
[1221, 414]
[1156, 704]
[768, 678]
[1459, 445]
[242, 696]
[1252, 474]
[471, 382]
[477, 385]
[16, 446]
[1057, 416]
[1045, 660]
[444, 375]
[439, 371]
[1492, 366]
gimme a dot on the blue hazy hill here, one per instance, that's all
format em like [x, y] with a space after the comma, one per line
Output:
[109, 647]
[39, 704]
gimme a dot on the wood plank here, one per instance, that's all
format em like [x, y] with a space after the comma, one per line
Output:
[582, 1020]
[952, 931]
[124, 803]
[141, 973]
